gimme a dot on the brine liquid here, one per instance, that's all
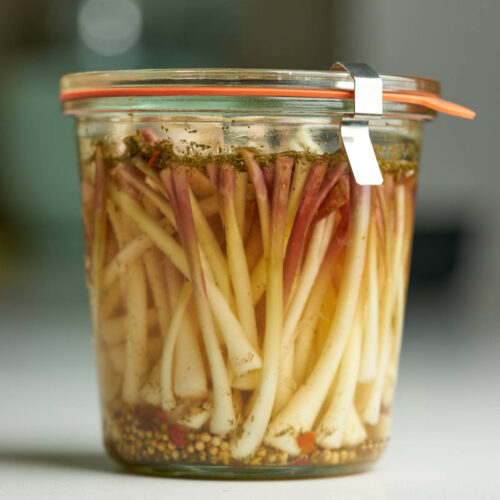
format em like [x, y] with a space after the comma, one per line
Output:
[247, 308]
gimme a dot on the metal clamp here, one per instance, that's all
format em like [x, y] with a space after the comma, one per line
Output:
[354, 132]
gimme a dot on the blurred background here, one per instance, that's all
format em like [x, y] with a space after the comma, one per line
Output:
[453, 308]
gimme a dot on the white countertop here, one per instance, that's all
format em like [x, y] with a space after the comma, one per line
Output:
[445, 442]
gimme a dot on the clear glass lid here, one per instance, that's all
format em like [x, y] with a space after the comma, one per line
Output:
[418, 95]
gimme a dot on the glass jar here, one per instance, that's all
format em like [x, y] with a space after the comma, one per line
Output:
[247, 295]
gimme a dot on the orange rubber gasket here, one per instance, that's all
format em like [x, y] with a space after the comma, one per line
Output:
[430, 101]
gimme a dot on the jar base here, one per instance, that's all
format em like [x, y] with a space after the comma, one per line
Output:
[243, 471]
[227, 472]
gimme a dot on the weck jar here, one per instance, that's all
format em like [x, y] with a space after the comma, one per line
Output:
[247, 292]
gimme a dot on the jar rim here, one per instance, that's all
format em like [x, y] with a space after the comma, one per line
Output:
[271, 83]
[334, 80]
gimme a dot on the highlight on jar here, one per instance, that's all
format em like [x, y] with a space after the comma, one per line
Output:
[247, 293]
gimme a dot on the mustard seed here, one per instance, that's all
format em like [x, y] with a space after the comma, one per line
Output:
[216, 441]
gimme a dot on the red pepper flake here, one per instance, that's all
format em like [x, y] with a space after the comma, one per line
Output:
[162, 417]
[149, 415]
[155, 155]
[136, 411]
[300, 462]
[177, 435]
[307, 442]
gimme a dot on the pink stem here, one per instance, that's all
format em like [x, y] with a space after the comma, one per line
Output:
[261, 194]
[268, 172]
[281, 187]
[329, 182]
[335, 199]
[379, 218]
[186, 225]
[125, 173]
[120, 173]
[214, 175]
[301, 225]
[167, 178]
[226, 182]
[339, 241]
[336, 246]
[250, 219]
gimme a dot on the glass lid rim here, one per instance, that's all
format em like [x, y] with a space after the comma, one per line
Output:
[268, 78]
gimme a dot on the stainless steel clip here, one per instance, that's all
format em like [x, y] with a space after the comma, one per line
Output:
[354, 131]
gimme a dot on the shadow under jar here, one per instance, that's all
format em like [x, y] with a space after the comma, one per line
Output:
[247, 295]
